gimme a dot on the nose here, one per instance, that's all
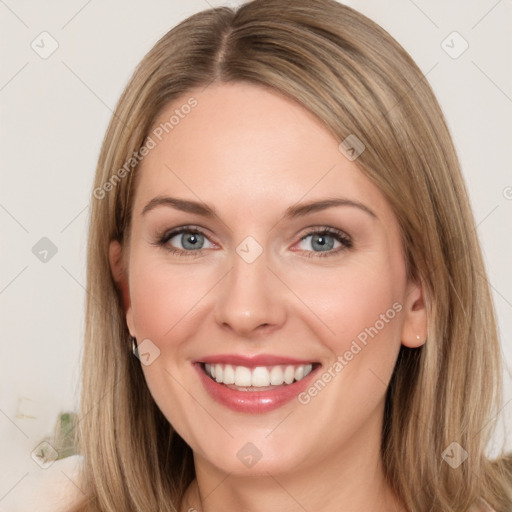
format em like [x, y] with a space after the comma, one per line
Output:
[250, 299]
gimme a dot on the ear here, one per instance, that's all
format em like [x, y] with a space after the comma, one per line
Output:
[414, 328]
[120, 276]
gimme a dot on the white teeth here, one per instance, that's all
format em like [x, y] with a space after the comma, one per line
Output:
[242, 376]
[229, 374]
[289, 374]
[276, 376]
[258, 377]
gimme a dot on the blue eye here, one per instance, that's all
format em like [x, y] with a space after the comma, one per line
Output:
[190, 241]
[321, 242]
[325, 241]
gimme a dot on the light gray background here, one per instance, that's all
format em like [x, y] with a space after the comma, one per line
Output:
[54, 113]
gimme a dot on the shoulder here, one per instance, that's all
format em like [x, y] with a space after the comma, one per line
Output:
[54, 489]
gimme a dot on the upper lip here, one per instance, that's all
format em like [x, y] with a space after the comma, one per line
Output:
[254, 360]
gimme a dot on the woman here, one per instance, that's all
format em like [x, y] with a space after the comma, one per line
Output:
[286, 306]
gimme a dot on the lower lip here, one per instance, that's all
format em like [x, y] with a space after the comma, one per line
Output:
[253, 402]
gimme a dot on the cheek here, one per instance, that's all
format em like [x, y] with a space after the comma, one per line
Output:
[161, 297]
[359, 308]
[361, 305]
[164, 301]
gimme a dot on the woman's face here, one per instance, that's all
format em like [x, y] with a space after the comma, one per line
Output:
[260, 253]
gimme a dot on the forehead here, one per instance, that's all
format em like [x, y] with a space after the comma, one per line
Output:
[250, 146]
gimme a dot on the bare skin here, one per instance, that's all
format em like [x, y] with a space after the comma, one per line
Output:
[251, 154]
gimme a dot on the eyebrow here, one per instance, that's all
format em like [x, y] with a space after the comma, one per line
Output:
[292, 212]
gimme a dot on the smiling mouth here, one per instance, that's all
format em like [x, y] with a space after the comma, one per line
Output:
[259, 378]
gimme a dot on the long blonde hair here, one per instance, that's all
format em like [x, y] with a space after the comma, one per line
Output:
[357, 80]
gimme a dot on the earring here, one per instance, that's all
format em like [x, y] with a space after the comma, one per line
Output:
[134, 346]
[417, 337]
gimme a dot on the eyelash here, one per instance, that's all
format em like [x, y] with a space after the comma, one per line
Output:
[340, 236]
